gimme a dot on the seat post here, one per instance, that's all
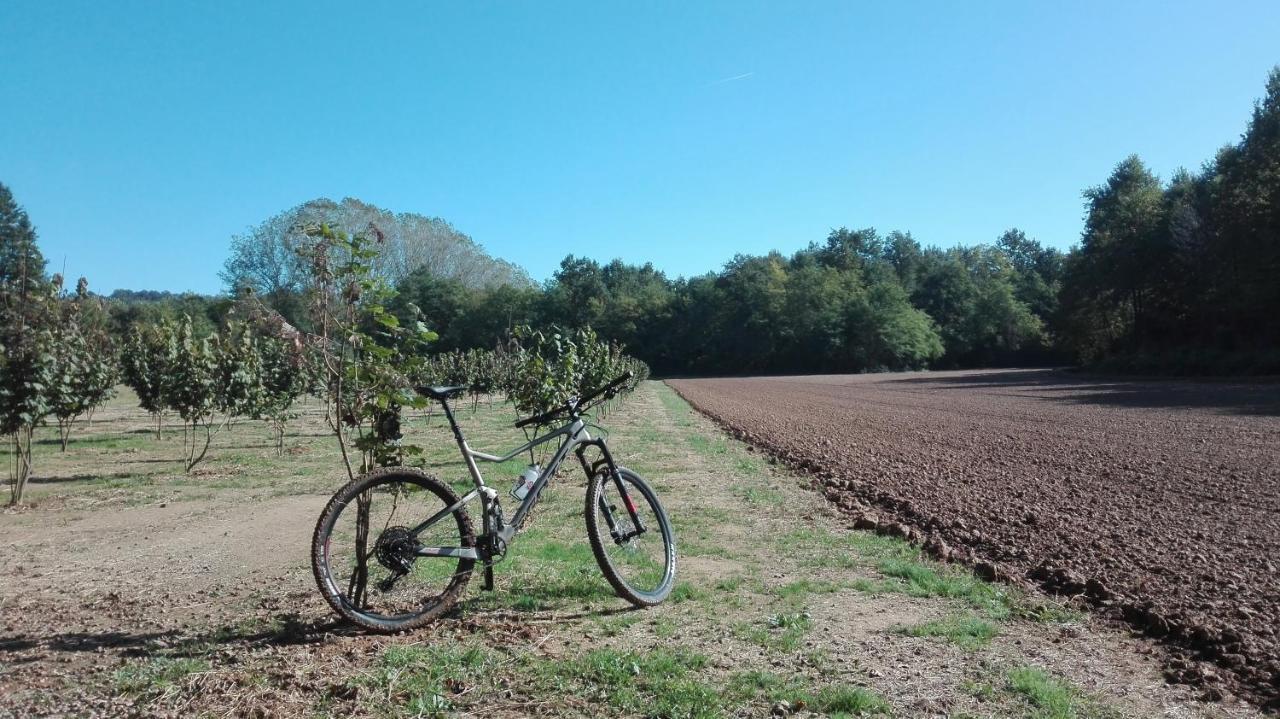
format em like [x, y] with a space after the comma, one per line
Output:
[453, 423]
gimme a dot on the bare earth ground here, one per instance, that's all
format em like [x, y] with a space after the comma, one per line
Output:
[1158, 501]
[131, 589]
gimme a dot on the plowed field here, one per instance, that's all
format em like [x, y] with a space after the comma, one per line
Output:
[1157, 502]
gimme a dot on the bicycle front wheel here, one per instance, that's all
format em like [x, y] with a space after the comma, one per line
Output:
[378, 559]
[631, 537]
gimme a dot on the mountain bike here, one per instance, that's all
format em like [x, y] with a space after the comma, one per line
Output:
[394, 548]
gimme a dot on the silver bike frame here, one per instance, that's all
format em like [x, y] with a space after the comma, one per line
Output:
[574, 433]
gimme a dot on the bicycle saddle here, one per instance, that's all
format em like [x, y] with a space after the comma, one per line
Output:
[439, 393]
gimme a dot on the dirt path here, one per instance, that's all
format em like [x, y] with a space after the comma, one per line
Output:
[204, 606]
[160, 566]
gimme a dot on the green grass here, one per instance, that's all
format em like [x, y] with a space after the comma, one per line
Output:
[755, 684]
[734, 584]
[688, 592]
[1051, 698]
[804, 587]
[423, 681]
[968, 632]
[840, 701]
[818, 546]
[780, 632]
[837, 700]
[918, 579]
[156, 677]
[712, 447]
[660, 684]
[439, 680]
[612, 625]
[542, 572]
[758, 495]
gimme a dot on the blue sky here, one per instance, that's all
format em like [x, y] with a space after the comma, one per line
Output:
[141, 136]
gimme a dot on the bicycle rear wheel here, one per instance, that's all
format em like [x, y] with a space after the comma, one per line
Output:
[366, 550]
[631, 537]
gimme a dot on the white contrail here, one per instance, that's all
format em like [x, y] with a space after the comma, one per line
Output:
[723, 80]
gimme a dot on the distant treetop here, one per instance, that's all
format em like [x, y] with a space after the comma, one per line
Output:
[262, 259]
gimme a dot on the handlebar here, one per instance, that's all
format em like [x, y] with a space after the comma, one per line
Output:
[575, 406]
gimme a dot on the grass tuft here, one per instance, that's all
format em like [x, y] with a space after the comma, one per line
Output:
[780, 632]
[421, 681]
[967, 632]
[1052, 698]
[688, 592]
[918, 579]
[845, 700]
[654, 684]
[157, 676]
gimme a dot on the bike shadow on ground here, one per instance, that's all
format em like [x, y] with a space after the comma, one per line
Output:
[285, 629]
[282, 630]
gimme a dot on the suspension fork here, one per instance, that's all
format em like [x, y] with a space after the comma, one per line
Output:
[616, 476]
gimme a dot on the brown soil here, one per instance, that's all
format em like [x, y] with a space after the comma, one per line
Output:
[1157, 501]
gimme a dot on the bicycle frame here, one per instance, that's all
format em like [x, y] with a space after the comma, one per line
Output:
[576, 437]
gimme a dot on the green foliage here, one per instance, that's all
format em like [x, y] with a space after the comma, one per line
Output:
[549, 368]
[27, 345]
[211, 380]
[285, 376]
[85, 369]
[923, 580]
[270, 260]
[237, 371]
[1181, 277]
[419, 680]
[151, 351]
[192, 377]
[22, 265]
[367, 354]
[126, 310]
[890, 333]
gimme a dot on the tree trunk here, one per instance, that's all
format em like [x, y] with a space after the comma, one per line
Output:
[208, 438]
[21, 464]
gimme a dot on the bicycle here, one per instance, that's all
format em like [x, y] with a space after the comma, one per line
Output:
[423, 552]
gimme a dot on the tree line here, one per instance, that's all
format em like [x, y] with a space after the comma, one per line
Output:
[859, 301]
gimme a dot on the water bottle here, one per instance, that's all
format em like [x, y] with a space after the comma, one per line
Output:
[526, 482]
